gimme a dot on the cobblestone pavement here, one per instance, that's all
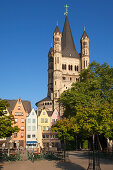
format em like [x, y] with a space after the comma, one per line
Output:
[76, 161]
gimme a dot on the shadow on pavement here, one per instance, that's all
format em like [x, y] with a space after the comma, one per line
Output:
[68, 166]
[85, 155]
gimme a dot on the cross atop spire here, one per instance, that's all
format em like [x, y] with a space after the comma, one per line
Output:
[66, 6]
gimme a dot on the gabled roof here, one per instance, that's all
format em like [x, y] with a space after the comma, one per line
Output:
[84, 35]
[26, 105]
[68, 46]
[57, 30]
[48, 112]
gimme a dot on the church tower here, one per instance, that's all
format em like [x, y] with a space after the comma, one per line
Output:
[57, 73]
[50, 71]
[84, 50]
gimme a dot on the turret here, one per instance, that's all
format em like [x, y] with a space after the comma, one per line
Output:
[50, 71]
[84, 50]
[57, 74]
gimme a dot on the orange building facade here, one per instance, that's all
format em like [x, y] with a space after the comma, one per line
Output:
[19, 109]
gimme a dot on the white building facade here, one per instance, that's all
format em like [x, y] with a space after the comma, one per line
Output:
[31, 130]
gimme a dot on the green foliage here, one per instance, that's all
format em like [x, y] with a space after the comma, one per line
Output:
[65, 128]
[90, 101]
[6, 122]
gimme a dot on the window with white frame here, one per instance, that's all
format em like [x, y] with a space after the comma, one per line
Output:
[29, 128]
[43, 113]
[22, 120]
[33, 128]
[22, 134]
[16, 120]
[47, 128]
[28, 136]
[46, 120]
[29, 120]
[44, 128]
[33, 120]
[42, 120]
[33, 136]
[22, 127]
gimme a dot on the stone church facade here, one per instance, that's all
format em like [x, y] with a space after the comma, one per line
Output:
[64, 65]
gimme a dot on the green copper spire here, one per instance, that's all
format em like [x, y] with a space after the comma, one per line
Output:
[66, 10]
[57, 23]
[84, 28]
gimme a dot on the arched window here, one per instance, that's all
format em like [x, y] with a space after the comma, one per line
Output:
[65, 66]
[71, 67]
[84, 63]
[75, 68]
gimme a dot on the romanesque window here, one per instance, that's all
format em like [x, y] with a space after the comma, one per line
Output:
[69, 67]
[86, 63]
[56, 39]
[64, 66]
[77, 68]
[84, 44]
[70, 78]
[57, 59]
[63, 78]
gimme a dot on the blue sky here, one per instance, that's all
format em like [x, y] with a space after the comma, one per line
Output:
[26, 34]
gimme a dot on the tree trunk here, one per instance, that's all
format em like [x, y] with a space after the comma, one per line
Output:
[99, 143]
[93, 151]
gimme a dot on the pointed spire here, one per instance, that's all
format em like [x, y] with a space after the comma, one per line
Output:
[57, 30]
[68, 46]
[84, 35]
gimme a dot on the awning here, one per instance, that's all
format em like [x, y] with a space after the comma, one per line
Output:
[31, 142]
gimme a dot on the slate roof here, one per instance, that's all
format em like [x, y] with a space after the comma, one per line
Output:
[45, 99]
[57, 30]
[26, 105]
[51, 50]
[68, 46]
[84, 35]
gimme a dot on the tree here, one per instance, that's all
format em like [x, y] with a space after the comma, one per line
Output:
[66, 129]
[90, 101]
[6, 121]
